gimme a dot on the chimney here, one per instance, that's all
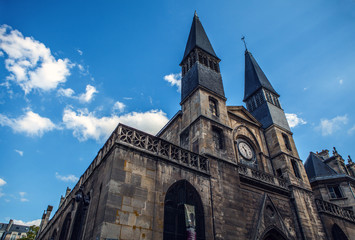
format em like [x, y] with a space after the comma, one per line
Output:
[324, 154]
[9, 225]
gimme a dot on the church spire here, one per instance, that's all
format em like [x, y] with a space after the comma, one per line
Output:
[198, 38]
[260, 97]
[200, 64]
[255, 77]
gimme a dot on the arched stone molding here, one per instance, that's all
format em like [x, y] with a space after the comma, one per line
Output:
[180, 193]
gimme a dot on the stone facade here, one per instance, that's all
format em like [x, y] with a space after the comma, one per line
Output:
[244, 179]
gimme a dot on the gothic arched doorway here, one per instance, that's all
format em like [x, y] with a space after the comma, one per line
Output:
[337, 233]
[274, 234]
[180, 193]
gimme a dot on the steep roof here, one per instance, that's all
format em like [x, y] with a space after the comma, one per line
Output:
[316, 168]
[198, 38]
[254, 77]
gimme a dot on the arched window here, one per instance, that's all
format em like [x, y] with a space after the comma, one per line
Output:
[78, 222]
[274, 234]
[65, 227]
[218, 138]
[213, 106]
[179, 194]
[337, 233]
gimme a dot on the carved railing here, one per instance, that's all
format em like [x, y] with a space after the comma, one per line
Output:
[333, 209]
[161, 148]
[262, 176]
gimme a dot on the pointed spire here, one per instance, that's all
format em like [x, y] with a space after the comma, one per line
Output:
[254, 77]
[198, 38]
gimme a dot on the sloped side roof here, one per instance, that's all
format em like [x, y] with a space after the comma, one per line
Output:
[254, 77]
[315, 167]
[198, 38]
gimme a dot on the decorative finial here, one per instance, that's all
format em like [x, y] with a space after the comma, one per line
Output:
[335, 152]
[349, 159]
[245, 45]
[195, 13]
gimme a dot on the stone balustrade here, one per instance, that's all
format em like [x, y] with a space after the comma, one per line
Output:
[335, 210]
[161, 148]
[262, 176]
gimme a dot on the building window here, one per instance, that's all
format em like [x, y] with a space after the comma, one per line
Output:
[218, 138]
[195, 147]
[184, 139]
[178, 195]
[279, 173]
[295, 168]
[287, 142]
[335, 191]
[214, 106]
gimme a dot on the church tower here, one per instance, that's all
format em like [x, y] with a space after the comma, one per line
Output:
[204, 112]
[263, 103]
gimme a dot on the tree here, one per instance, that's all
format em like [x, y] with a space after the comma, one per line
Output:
[31, 234]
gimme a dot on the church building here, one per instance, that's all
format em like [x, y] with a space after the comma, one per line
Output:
[213, 172]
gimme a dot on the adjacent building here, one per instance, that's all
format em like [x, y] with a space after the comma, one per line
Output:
[213, 172]
[11, 231]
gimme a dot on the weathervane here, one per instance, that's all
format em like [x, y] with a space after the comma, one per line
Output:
[243, 39]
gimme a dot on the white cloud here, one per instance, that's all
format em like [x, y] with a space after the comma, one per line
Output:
[2, 182]
[68, 92]
[22, 197]
[293, 120]
[30, 62]
[84, 97]
[68, 178]
[29, 223]
[329, 126]
[119, 106]
[86, 125]
[88, 95]
[31, 123]
[351, 130]
[19, 152]
[174, 80]
[341, 81]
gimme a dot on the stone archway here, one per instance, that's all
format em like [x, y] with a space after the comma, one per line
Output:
[337, 233]
[274, 234]
[180, 193]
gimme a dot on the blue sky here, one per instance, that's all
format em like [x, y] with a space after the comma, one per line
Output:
[71, 70]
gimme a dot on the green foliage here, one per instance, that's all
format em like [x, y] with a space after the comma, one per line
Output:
[31, 233]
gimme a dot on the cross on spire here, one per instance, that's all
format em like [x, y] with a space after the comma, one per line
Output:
[245, 45]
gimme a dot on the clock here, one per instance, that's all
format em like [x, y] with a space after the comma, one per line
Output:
[245, 150]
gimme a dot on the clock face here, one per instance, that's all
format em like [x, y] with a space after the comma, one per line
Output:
[245, 150]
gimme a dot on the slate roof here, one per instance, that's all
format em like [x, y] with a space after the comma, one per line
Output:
[254, 77]
[198, 38]
[201, 76]
[15, 228]
[316, 168]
